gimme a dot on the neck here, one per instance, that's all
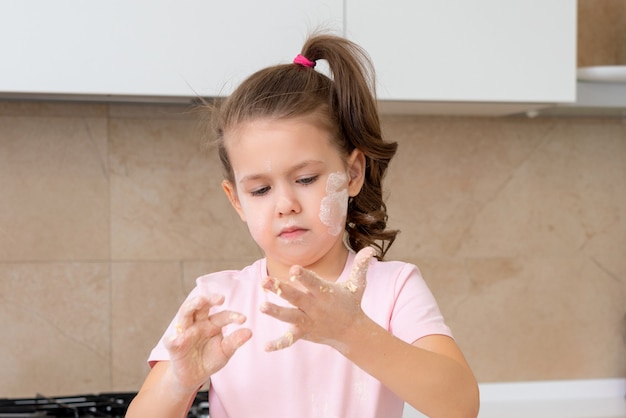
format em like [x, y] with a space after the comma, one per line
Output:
[329, 266]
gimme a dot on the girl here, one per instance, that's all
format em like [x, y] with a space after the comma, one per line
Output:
[321, 327]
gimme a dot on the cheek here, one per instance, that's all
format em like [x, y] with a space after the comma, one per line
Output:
[255, 222]
[334, 205]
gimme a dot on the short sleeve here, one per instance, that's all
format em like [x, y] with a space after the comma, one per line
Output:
[415, 312]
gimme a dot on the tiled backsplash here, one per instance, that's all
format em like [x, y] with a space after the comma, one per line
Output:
[109, 212]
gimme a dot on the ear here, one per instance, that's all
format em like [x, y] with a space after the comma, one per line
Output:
[231, 193]
[356, 172]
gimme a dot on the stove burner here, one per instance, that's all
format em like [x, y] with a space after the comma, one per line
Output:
[104, 405]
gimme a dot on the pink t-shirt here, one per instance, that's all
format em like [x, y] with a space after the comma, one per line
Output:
[309, 379]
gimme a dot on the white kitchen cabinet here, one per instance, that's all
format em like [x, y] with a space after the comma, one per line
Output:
[153, 50]
[431, 56]
[452, 56]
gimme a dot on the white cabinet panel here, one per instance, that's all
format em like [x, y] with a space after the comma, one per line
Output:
[500, 51]
[432, 56]
[163, 48]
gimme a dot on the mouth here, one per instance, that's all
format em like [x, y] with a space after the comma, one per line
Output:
[291, 233]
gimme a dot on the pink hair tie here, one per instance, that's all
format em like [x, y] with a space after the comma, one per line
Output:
[302, 60]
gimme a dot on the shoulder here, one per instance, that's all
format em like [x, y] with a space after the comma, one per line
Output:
[398, 270]
[231, 278]
[413, 312]
[398, 277]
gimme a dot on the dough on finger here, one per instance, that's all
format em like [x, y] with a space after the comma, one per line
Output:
[283, 342]
[223, 318]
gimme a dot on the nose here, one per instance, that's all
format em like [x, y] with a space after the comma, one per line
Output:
[287, 202]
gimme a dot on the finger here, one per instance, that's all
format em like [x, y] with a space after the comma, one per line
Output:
[308, 278]
[273, 285]
[236, 339]
[196, 308]
[290, 315]
[358, 273]
[218, 320]
[223, 318]
[285, 341]
[286, 291]
[187, 313]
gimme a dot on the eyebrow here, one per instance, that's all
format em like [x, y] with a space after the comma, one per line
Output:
[296, 167]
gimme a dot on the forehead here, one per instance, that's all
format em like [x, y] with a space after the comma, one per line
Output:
[289, 140]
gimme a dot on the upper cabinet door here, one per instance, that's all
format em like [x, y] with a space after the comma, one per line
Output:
[499, 51]
[150, 48]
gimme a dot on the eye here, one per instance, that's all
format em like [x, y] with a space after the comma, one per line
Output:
[260, 191]
[307, 180]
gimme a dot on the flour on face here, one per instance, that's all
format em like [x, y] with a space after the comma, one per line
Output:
[334, 205]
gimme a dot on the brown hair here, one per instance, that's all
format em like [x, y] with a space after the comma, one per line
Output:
[345, 104]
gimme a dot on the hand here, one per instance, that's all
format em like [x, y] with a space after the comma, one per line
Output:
[199, 348]
[323, 311]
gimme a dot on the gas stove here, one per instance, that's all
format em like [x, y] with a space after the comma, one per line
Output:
[104, 405]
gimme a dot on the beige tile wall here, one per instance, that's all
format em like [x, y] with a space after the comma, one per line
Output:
[109, 212]
[601, 32]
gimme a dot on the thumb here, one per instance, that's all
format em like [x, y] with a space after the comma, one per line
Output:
[359, 267]
[236, 339]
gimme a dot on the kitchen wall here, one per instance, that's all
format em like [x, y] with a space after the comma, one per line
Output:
[109, 212]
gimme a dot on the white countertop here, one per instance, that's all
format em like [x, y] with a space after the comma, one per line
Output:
[598, 398]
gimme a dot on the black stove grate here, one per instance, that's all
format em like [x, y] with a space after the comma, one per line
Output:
[104, 405]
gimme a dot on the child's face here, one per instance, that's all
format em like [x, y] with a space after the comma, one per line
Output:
[291, 187]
